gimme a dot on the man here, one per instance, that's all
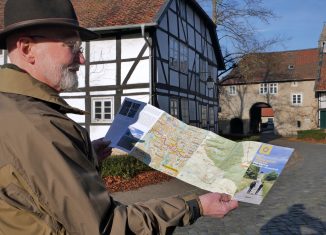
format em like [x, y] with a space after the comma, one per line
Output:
[49, 182]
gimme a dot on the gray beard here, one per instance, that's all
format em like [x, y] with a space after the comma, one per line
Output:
[69, 80]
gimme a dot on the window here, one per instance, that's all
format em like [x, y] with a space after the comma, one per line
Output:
[323, 46]
[322, 100]
[298, 124]
[263, 88]
[202, 70]
[211, 116]
[174, 51]
[297, 99]
[184, 111]
[183, 58]
[268, 88]
[232, 90]
[204, 116]
[273, 88]
[102, 109]
[290, 66]
[174, 109]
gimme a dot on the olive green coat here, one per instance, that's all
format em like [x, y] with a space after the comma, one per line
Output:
[49, 182]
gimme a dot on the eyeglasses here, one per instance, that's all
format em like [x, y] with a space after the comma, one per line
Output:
[73, 44]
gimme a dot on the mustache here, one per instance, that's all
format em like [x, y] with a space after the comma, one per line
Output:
[73, 67]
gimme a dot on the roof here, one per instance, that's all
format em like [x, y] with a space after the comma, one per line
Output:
[112, 15]
[105, 13]
[267, 112]
[297, 65]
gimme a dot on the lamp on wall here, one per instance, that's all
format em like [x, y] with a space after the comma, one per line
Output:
[209, 81]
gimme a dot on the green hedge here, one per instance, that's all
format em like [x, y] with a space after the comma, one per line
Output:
[122, 165]
[318, 134]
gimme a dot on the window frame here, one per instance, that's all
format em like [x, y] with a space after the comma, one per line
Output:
[232, 90]
[203, 114]
[294, 97]
[185, 111]
[273, 88]
[268, 88]
[174, 107]
[103, 113]
[211, 116]
[174, 53]
[183, 58]
[263, 88]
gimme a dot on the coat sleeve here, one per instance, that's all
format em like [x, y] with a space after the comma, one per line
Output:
[156, 216]
[53, 155]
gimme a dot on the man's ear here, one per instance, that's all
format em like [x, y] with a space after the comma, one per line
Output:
[24, 46]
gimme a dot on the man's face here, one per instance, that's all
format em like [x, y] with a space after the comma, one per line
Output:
[58, 57]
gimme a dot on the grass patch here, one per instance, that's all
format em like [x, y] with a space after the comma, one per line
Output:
[122, 165]
[251, 138]
[318, 134]
[239, 138]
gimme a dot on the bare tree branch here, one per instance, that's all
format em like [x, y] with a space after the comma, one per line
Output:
[234, 20]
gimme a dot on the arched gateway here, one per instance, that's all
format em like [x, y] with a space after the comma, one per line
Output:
[255, 114]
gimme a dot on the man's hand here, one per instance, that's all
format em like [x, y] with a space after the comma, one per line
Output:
[102, 149]
[216, 204]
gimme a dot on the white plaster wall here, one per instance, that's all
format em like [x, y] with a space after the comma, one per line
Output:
[130, 47]
[103, 50]
[2, 58]
[77, 103]
[139, 75]
[81, 76]
[97, 132]
[102, 74]
[136, 90]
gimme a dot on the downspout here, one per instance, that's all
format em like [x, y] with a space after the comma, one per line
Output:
[151, 80]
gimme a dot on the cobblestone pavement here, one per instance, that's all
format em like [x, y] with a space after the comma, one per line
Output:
[295, 205]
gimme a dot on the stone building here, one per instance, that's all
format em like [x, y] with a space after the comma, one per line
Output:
[291, 83]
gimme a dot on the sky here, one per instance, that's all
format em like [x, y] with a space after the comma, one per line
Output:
[298, 22]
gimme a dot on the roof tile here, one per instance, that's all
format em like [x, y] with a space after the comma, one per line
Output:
[104, 13]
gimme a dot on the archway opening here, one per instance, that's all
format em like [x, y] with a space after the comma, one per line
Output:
[257, 120]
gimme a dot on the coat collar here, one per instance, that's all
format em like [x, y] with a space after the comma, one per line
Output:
[17, 81]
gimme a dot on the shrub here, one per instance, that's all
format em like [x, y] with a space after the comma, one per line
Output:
[122, 165]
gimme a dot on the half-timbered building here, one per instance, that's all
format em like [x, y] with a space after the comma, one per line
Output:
[157, 51]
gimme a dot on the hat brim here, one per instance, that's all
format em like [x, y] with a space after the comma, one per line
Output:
[85, 34]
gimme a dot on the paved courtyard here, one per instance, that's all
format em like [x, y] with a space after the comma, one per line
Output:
[295, 205]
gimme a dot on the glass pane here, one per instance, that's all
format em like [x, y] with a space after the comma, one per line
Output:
[107, 110]
[107, 103]
[98, 110]
[107, 116]
[98, 116]
[98, 103]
